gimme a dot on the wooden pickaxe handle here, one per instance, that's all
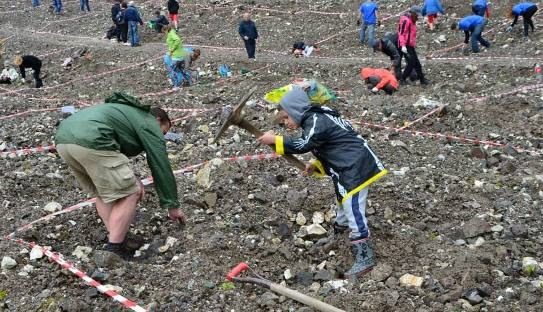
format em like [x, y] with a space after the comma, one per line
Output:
[244, 124]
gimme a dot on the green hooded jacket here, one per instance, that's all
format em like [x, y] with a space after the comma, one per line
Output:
[175, 45]
[124, 124]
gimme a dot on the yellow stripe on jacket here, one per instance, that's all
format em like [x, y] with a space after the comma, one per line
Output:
[364, 185]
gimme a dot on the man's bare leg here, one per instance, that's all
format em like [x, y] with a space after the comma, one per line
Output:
[104, 211]
[121, 216]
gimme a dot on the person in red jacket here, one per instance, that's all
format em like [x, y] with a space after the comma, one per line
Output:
[380, 79]
[407, 41]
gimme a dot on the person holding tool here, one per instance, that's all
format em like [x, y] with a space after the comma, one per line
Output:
[343, 155]
[96, 143]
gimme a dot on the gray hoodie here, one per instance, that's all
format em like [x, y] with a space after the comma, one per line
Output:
[295, 103]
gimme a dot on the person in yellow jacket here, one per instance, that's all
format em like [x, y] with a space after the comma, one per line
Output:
[175, 53]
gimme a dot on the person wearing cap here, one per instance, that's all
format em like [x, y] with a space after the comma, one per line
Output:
[379, 79]
[132, 17]
[432, 8]
[343, 155]
[96, 142]
[473, 26]
[29, 61]
[527, 11]
[481, 8]
[407, 41]
[368, 16]
[389, 46]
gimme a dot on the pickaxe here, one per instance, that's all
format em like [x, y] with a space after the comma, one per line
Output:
[235, 117]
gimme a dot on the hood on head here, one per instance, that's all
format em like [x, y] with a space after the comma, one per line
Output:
[295, 103]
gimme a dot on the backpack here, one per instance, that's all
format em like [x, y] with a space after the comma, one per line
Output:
[120, 17]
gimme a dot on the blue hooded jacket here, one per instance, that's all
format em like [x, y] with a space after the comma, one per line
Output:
[468, 22]
[520, 8]
[432, 7]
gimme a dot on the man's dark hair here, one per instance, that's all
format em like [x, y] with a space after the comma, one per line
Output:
[160, 114]
[124, 5]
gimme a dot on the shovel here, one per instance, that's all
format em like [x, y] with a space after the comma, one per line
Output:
[287, 292]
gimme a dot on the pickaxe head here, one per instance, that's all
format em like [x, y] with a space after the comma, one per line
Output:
[234, 116]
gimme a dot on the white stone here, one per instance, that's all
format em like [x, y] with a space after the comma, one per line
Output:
[497, 228]
[28, 268]
[300, 219]
[442, 38]
[116, 289]
[82, 252]
[337, 284]
[36, 253]
[203, 177]
[316, 229]
[411, 280]
[479, 242]
[287, 274]
[478, 183]
[52, 207]
[318, 217]
[8, 263]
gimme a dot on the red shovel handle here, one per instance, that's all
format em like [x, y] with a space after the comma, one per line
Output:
[242, 266]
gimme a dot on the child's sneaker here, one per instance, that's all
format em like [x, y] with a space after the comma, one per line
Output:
[363, 258]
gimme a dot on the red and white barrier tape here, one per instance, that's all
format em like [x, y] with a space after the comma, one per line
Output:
[448, 137]
[484, 58]
[27, 151]
[59, 259]
[28, 112]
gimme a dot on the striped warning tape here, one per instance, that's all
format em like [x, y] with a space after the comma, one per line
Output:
[519, 149]
[28, 150]
[59, 259]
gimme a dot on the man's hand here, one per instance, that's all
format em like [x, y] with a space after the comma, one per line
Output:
[309, 170]
[245, 38]
[357, 22]
[177, 215]
[404, 50]
[375, 90]
[267, 138]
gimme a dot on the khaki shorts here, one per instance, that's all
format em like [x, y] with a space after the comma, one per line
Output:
[105, 174]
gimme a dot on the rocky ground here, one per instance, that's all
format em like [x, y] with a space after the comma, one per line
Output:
[460, 218]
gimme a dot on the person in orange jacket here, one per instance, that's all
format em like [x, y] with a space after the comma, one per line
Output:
[380, 79]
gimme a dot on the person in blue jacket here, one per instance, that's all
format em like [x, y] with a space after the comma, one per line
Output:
[526, 10]
[480, 7]
[368, 15]
[432, 8]
[132, 17]
[474, 25]
[247, 31]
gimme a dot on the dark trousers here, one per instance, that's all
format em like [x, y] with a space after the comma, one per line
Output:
[374, 80]
[478, 10]
[123, 31]
[527, 18]
[37, 79]
[477, 37]
[250, 46]
[412, 63]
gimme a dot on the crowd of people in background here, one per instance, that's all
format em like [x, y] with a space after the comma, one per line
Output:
[399, 44]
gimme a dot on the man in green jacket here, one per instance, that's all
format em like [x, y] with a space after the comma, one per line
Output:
[96, 143]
